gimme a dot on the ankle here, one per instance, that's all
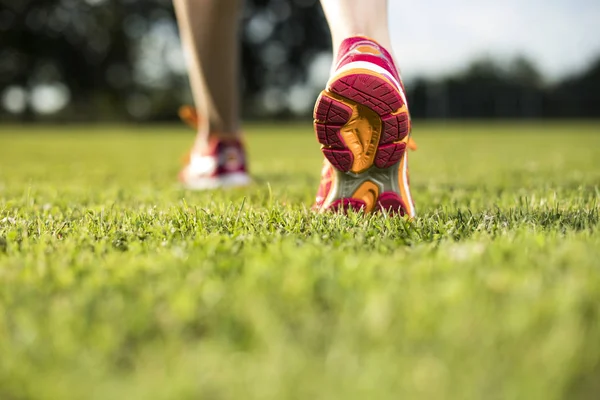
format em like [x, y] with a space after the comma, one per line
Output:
[207, 143]
[220, 136]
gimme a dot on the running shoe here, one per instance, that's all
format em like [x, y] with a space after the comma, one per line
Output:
[363, 125]
[222, 163]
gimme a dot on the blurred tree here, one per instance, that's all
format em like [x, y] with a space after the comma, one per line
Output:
[115, 58]
[281, 40]
[524, 72]
[121, 59]
[488, 90]
[64, 42]
[578, 96]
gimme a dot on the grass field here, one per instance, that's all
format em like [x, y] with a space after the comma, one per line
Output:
[117, 284]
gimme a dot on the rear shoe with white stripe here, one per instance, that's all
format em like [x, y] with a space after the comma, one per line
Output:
[362, 122]
[222, 163]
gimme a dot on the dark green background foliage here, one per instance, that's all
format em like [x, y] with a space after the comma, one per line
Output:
[98, 52]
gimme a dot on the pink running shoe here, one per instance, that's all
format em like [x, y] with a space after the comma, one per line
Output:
[222, 164]
[363, 125]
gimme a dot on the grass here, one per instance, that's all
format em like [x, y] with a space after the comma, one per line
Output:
[117, 284]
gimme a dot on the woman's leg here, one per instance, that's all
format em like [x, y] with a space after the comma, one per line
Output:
[361, 118]
[209, 34]
[349, 18]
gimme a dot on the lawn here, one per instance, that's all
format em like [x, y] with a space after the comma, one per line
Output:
[117, 284]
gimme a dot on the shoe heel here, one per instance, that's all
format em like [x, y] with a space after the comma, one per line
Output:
[362, 122]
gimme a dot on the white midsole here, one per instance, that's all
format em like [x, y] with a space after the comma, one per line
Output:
[410, 203]
[227, 180]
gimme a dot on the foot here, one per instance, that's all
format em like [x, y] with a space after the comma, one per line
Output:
[363, 125]
[222, 162]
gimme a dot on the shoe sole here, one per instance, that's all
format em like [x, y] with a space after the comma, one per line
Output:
[231, 180]
[361, 120]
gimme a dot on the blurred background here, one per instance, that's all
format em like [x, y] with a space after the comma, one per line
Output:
[121, 60]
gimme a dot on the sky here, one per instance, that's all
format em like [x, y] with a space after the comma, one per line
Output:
[436, 37]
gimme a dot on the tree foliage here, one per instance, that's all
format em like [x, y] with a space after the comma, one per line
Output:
[120, 59]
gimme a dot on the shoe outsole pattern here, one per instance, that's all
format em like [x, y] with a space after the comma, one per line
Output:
[334, 110]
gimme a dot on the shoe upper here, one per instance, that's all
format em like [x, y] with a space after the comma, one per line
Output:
[356, 50]
[220, 158]
[325, 185]
[363, 49]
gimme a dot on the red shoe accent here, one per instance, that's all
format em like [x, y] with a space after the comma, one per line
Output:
[395, 128]
[221, 163]
[391, 203]
[371, 91]
[363, 124]
[345, 205]
[340, 159]
[389, 154]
